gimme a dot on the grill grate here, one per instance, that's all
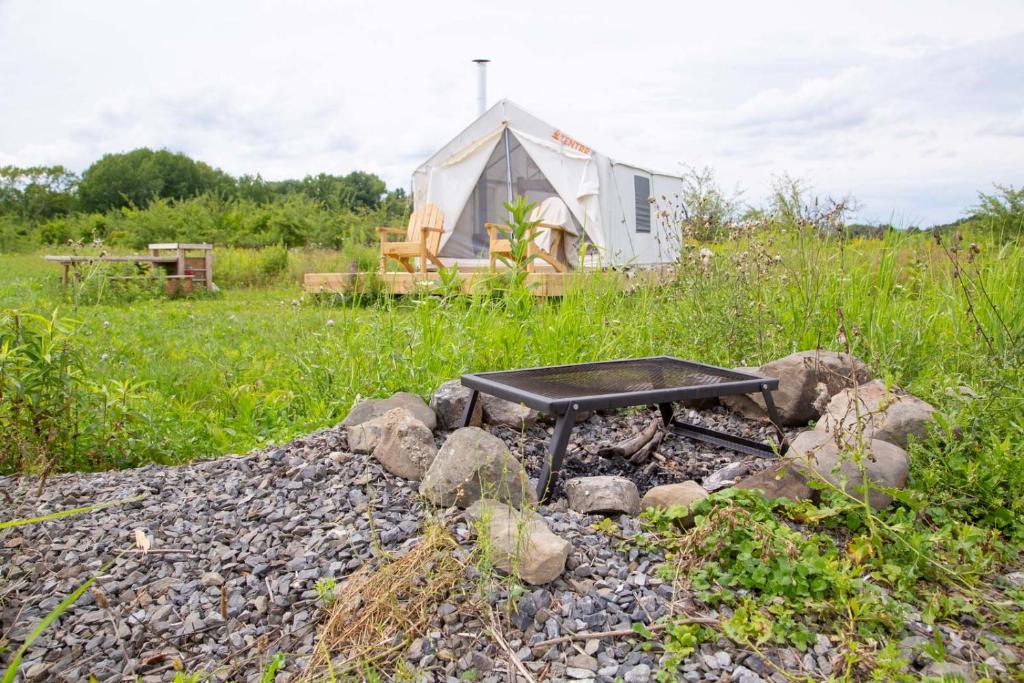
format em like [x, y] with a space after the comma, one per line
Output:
[663, 380]
[613, 377]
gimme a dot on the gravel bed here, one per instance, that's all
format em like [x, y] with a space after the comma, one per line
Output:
[237, 545]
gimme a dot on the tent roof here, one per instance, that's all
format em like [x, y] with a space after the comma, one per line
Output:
[506, 111]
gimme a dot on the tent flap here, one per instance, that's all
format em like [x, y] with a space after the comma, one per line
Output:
[450, 184]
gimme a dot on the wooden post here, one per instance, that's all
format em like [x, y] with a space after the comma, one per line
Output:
[208, 258]
[181, 260]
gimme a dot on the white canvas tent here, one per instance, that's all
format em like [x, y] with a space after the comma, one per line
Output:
[509, 152]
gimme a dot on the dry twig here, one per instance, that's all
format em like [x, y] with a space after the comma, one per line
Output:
[707, 621]
[516, 662]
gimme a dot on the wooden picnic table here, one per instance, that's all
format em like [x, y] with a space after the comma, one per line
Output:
[178, 265]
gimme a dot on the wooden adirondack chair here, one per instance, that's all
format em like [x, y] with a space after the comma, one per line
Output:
[501, 246]
[422, 238]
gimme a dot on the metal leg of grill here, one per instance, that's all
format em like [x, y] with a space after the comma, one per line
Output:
[773, 415]
[467, 416]
[666, 413]
[556, 450]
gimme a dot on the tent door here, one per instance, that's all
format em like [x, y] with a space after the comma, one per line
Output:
[509, 172]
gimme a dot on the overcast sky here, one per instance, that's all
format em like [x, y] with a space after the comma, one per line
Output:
[911, 107]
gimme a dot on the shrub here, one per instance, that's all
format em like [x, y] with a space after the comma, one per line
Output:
[273, 260]
[1001, 213]
[51, 416]
[112, 283]
[14, 236]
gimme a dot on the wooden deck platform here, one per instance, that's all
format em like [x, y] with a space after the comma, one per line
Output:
[541, 283]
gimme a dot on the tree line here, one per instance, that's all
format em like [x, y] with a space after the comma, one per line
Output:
[53, 204]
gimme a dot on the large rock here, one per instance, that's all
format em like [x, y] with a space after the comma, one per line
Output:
[498, 411]
[878, 412]
[834, 459]
[807, 379]
[725, 477]
[406, 447]
[781, 481]
[742, 404]
[604, 495]
[472, 463]
[449, 403]
[683, 494]
[371, 408]
[520, 542]
[364, 437]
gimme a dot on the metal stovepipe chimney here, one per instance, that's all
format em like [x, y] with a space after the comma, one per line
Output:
[481, 84]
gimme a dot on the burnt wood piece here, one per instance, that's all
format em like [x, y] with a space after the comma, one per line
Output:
[625, 449]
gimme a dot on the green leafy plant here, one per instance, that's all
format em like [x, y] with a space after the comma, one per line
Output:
[606, 526]
[269, 674]
[449, 282]
[778, 580]
[676, 639]
[51, 415]
[273, 261]
[520, 234]
[325, 590]
[99, 282]
[1001, 212]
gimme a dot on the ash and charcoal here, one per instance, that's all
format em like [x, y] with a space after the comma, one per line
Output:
[675, 460]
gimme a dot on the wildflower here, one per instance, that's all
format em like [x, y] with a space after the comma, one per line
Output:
[104, 357]
[330, 322]
[295, 302]
[106, 324]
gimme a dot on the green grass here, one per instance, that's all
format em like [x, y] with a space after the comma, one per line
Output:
[176, 380]
[252, 365]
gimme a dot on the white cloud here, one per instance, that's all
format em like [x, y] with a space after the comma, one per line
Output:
[909, 106]
[1010, 126]
[815, 105]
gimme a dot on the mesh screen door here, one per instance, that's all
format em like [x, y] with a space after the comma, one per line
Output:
[509, 172]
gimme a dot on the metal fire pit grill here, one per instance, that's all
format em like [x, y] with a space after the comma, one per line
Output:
[565, 390]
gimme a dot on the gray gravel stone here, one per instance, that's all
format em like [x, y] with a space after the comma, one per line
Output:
[641, 673]
[1014, 579]
[244, 520]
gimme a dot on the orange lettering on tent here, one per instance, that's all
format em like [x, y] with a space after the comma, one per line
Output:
[561, 137]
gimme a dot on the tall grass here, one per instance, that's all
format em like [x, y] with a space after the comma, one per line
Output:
[277, 265]
[258, 365]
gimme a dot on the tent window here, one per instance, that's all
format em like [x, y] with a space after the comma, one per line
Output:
[642, 193]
